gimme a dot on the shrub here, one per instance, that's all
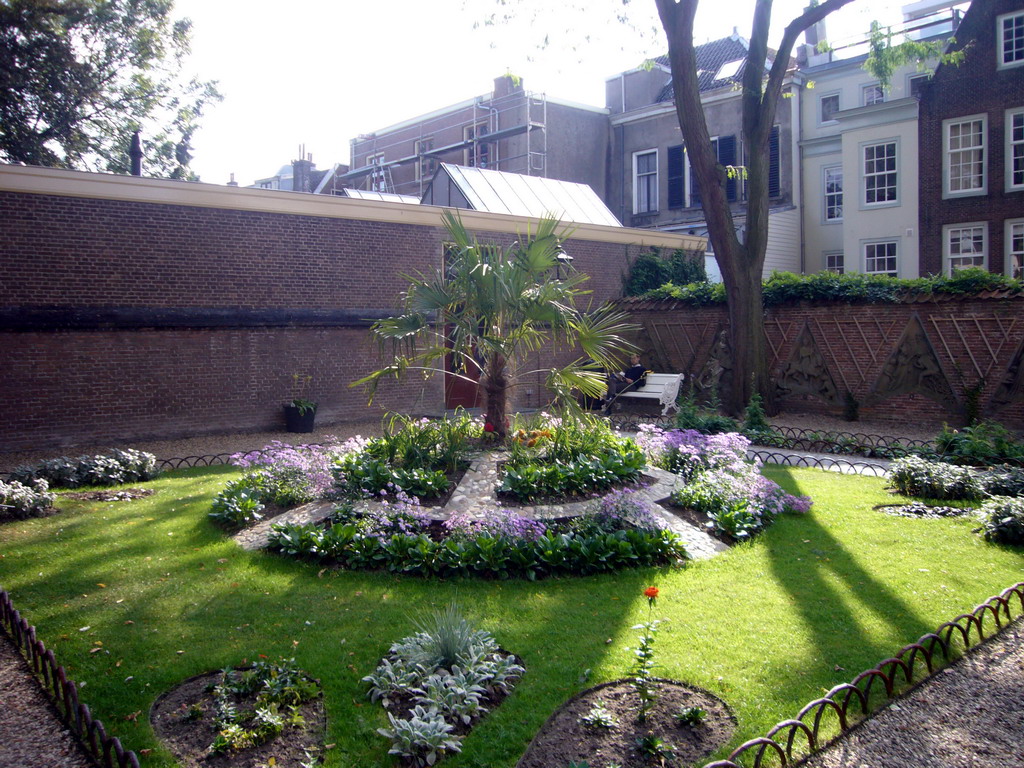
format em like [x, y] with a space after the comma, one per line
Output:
[1003, 481]
[238, 505]
[755, 420]
[914, 476]
[705, 420]
[982, 444]
[1004, 520]
[120, 466]
[21, 501]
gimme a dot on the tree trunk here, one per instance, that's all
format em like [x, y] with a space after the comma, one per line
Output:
[496, 395]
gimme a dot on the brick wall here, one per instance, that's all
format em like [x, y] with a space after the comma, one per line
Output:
[126, 320]
[974, 87]
[974, 341]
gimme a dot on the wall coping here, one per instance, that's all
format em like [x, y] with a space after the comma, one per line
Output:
[106, 186]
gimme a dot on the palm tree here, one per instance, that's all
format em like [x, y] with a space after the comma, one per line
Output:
[490, 308]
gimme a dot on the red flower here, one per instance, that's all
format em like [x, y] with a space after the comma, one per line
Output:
[651, 593]
[488, 427]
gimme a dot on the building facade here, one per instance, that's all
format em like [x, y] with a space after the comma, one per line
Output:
[972, 147]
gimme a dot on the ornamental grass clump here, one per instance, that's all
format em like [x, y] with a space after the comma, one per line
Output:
[438, 680]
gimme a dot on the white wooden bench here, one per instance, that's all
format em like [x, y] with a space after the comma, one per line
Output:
[662, 387]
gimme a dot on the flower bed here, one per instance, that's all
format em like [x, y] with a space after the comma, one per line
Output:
[718, 480]
[619, 531]
[120, 466]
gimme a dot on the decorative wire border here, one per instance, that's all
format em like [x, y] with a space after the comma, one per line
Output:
[781, 739]
[89, 731]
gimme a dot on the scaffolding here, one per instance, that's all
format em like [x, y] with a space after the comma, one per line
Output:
[486, 127]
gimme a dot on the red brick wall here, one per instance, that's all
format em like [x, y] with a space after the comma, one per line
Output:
[975, 340]
[973, 87]
[125, 320]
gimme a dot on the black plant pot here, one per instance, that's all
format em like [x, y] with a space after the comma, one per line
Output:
[297, 421]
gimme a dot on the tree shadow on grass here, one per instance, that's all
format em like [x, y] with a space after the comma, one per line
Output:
[855, 618]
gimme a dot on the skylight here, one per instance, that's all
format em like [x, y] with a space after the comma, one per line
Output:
[729, 70]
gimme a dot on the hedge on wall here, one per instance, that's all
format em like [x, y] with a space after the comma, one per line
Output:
[855, 288]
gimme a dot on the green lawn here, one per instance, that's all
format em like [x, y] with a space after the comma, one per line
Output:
[768, 626]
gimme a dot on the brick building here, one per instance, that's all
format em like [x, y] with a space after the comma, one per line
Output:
[971, 131]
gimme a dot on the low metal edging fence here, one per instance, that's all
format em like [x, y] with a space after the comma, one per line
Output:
[89, 731]
[781, 741]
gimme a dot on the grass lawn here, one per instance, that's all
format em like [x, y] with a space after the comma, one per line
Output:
[164, 594]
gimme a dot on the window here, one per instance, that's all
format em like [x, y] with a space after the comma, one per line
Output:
[725, 149]
[425, 165]
[1011, 40]
[964, 245]
[376, 179]
[833, 186]
[645, 181]
[1015, 149]
[872, 94]
[834, 262]
[880, 174]
[1015, 248]
[880, 258]
[915, 83]
[829, 105]
[480, 153]
[964, 161]
[676, 176]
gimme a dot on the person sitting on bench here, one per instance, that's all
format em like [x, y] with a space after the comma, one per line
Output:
[633, 377]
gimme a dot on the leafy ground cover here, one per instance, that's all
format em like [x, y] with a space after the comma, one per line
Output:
[136, 596]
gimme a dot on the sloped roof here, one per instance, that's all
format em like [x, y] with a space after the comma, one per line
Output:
[387, 197]
[711, 59]
[532, 196]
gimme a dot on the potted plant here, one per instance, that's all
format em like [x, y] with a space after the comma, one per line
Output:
[300, 412]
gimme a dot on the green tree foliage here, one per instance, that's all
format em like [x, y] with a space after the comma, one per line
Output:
[491, 309]
[650, 270]
[78, 77]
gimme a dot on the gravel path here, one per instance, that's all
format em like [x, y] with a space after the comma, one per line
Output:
[969, 715]
[31, 735]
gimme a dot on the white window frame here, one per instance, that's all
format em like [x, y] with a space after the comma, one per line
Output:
[1010, 253]
[1011, 145]
[864, 89]
[833, 261]
[914, 77]
[825, 194]
[377, 182]
[947, 246]
[897, 200]
[418, 149]
[481, 149]
[653, 202]
[867, 244]
[1001, 41]
[948, 152]
[821, 104]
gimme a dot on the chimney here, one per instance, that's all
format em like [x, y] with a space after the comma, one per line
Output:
[232, 183]
[135, 154]
[507, 84]
[302, 171]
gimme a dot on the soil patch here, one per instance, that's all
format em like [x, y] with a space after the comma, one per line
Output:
[564, 739]
[189, 739]
[121, 494]
[701, 520]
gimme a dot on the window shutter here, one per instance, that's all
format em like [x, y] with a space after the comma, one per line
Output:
[676, 177]
[774, 183]
[727, 157]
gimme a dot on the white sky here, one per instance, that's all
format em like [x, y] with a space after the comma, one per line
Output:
[320, 72]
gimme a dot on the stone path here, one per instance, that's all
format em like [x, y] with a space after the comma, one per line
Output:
[475, 495]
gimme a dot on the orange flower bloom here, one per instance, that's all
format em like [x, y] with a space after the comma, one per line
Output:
[651, 592]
